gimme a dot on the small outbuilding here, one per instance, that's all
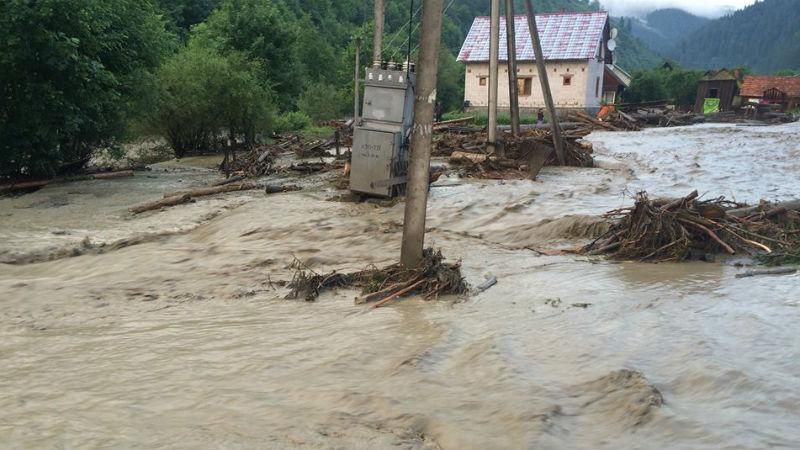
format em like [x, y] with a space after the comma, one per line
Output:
[716, 90]
[783, 92]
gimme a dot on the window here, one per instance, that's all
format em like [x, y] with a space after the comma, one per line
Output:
[482, 81]
[567, 80]
[713, 93]
[597, 87]
[524, 86]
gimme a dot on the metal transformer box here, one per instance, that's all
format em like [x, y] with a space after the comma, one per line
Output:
[379, 162]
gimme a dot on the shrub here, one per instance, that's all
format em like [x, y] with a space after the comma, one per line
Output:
[202, 93]
[321, 101]
[292, 121]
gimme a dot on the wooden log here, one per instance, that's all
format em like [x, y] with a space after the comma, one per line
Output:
[23, 185]
[276, 189]
[230, 180]
[212, 190]
[445, 123]
[793, 205]
[474, 157]
[169, 201]
[398, 294]
[110, 175]
[680, 201]
[589, 119]
[710, 234]
[757, 272]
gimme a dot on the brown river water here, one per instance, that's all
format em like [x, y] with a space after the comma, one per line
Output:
[166, 330]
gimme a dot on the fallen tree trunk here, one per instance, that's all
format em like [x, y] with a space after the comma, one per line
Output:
[169, 201]
[744, 212]
[24, 185]
[205, 191]
[272, 189]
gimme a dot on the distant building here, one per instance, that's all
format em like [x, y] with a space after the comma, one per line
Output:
[719, 86]
[781, 91]
[578, 62]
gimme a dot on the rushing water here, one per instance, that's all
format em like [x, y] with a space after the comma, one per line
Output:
[179, 337]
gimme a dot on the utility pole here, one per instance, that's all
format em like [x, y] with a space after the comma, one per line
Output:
[355, 82]
[513, 87]
[421, 135]
[548, 96]
[494, 53]
[377, 38]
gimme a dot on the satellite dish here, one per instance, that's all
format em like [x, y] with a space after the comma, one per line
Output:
[612, 45]
[614, 33]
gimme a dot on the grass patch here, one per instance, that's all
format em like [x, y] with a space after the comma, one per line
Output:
[312, 133]
[482, 119]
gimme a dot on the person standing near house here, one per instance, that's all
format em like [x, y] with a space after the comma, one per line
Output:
[438, 111]
[540, 117]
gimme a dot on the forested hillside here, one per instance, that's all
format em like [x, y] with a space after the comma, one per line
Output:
[764, 37]
[663, 29]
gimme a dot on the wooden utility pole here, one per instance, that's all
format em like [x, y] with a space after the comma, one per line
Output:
[513, 87]
[421, 135]
[548, 96]
[356, 87]
[494, 53]
[377, 37]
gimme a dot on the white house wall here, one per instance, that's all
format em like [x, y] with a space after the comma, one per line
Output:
[579, 94]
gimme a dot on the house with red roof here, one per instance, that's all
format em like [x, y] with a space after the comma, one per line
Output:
[781, 91]
[577, 57]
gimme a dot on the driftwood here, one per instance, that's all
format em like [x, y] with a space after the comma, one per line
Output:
[684, 228]
[276, 189]
[204, 191]
[169, 201]
[774, 209]
[25, 185]
[779, 271]
[230, 180]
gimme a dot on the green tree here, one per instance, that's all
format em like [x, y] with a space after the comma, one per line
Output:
[186, 13]
[263, 31]
[202, 93]
[72, 73]
[321, 101]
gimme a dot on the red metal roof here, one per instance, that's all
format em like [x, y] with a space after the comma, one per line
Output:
[754, 86]
[564, 36]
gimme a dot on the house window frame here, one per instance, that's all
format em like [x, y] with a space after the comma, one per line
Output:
[525, 86]
[482, 80]
[567, 80]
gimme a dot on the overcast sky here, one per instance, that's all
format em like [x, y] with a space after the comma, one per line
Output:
[708, 8]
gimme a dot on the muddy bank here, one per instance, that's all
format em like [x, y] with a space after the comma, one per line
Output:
[187, 340]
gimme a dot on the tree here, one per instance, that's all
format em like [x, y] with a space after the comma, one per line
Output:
[186, 13]
[265, 32]
[202, 93]
[71, 74]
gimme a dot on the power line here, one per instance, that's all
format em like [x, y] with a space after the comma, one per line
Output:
[443, 13]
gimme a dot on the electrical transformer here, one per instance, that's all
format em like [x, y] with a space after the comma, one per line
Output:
[379, 162]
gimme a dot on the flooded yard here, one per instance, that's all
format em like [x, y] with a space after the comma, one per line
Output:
[170, 329]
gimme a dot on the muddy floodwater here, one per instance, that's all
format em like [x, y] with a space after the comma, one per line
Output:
[169, 329]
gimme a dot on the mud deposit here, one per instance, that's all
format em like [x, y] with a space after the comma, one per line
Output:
[177, 336]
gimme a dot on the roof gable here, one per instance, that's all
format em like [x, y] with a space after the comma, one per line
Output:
[755, 86]
[564, 36]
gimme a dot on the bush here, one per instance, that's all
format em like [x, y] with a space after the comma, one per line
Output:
[292, 121]
[202, 93]
[321, 101]
[71, 74]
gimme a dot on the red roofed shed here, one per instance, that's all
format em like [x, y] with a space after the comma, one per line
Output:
[783, 91]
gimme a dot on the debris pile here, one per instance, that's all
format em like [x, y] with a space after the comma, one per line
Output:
[431, 279]
[688, 228]
[257, 162]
